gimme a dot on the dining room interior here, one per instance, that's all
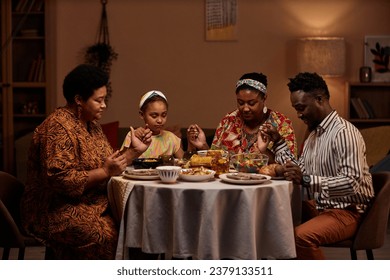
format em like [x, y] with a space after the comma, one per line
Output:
[164, 45]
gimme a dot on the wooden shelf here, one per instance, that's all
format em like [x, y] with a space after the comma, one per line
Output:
[29, 85]
[375, 100]
[23, 87]
[27, 116]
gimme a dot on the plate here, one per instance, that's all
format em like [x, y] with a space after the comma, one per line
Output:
[196, 178]
[264, 178]
[145, 163]
[141, 174]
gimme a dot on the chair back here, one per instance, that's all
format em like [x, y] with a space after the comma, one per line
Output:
[11, 190]
[372, 230]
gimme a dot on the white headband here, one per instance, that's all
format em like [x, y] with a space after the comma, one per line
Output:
[150, 94]
[253, 83]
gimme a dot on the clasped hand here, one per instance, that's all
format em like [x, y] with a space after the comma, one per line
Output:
[116, 163]
[140, 138]
[196, 136]
[292, 172]
[267, 133]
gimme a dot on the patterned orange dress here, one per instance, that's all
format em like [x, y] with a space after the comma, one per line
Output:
[74, 222]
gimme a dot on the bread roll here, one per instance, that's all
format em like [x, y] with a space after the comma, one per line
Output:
[273, 170]
[268, 170]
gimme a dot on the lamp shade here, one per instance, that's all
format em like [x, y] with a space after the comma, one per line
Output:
[323, 55]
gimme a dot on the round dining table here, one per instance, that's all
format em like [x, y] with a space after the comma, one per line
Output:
[206, 220]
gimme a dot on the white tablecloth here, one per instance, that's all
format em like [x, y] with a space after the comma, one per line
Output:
[206, 220]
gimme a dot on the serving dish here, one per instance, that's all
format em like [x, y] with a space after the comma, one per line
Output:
[141, 174]
[248, 162]
[146, 163]
[254, 179]
[196, 174]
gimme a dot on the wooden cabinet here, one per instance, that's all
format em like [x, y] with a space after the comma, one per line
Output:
[373, 99]
[23, 83]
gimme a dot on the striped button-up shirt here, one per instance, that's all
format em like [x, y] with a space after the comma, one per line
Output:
[334, 155]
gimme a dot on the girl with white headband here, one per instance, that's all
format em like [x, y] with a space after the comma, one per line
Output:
[240, 130]
[153, 110]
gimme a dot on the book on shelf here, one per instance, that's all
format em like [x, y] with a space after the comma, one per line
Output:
[33, 68]
[37, 70]
[41, 73]
[20, 6]
[358, 107]
[38, 7]
[24, 6]
[362, 108]
[369, 109]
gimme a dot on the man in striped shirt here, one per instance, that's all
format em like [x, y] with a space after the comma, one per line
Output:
[332, 166]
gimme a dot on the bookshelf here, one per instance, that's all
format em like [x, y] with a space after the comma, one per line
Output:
[368, 104]
[23, 78]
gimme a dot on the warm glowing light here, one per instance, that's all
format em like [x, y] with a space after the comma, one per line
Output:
[324, 55]
[318, 17]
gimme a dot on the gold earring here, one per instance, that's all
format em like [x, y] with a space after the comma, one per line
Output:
[79, 110]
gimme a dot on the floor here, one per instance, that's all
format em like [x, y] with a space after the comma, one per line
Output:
[38, 253]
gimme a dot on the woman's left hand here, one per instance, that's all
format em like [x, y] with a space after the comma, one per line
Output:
[262, 141]
[270, 131]
[115, 164]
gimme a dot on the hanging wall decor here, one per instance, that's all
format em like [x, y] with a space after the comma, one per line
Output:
[101, 54]
[221, 20]
[377, 56]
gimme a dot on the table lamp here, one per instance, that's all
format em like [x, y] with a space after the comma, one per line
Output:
[323, 55]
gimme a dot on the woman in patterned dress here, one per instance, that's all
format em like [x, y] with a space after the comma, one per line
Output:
[70, 161]
[240, 130]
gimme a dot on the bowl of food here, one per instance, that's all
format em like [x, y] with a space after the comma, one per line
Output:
[146, 163]
[248, 162]
[220, 161]
[168, 174]
[196, 174]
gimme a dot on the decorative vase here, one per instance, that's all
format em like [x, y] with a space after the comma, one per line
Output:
[365, 74]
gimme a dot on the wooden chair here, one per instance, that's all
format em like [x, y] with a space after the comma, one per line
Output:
[11, 232]
[371, 233]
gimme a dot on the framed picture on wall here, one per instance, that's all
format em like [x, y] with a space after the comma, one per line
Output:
[221, 20]
[376, 56]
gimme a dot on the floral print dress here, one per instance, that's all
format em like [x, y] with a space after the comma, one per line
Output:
[229, 134]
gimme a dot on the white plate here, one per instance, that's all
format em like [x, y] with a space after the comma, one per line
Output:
[196, 178]
[141, 174]
[224, 178]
